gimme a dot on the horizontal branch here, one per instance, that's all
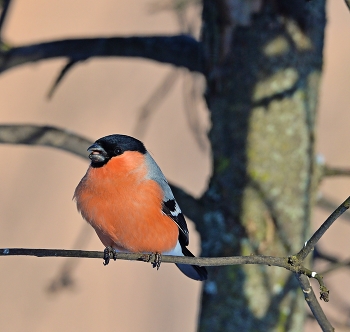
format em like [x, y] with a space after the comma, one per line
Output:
[180, 51]
[46, 136]
[300, 272]
[335, 171]
[284, 262]
[203, 261]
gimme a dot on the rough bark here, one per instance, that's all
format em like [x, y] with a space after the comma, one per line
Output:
[263, 72]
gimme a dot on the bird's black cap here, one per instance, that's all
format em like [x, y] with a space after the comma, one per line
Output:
[110, 146]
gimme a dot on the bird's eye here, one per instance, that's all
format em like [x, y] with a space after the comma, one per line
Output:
[118, 151]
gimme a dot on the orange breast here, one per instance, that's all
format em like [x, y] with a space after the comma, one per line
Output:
[126, 208]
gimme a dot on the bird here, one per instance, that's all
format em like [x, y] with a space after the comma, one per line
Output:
[126, 198]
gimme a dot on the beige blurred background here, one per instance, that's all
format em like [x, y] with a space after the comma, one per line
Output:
[104, 96]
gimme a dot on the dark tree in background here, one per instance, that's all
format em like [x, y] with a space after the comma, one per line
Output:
[262, 60]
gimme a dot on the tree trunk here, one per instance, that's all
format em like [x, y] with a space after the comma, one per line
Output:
[264, 60]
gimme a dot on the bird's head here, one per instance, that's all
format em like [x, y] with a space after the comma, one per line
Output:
[111, 146]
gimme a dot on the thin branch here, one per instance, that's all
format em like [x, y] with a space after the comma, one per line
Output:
[180, 51]
[46, 136]
[311, 300]
[310, 244]
[284, 262]
[347, 2]
[203, 261]
[335, 171]
[327, 204]
[69, 65]
[4, 12]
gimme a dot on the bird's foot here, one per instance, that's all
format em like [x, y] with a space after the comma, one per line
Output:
[109, 253]
[155, 259]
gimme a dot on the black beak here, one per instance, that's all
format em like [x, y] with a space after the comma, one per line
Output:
[97, 153]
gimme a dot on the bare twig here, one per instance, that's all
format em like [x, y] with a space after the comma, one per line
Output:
[203, 261]
[60, 77]
[180, 51]
[311, 300]
[46, 136]
[4, 12]
[285, 262]
[347, 2]
[335, 171]
[327, 204]
[310, 244]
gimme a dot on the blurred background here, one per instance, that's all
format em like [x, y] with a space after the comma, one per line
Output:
[104, 96]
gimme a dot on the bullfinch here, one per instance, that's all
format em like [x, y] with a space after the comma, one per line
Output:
[127, 200]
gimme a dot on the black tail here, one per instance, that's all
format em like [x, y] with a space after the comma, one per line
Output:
[194, 272]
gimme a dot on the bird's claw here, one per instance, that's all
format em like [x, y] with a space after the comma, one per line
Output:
[109, 253]
[157, 260]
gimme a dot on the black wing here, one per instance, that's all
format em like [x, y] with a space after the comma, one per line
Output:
[172, 210]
